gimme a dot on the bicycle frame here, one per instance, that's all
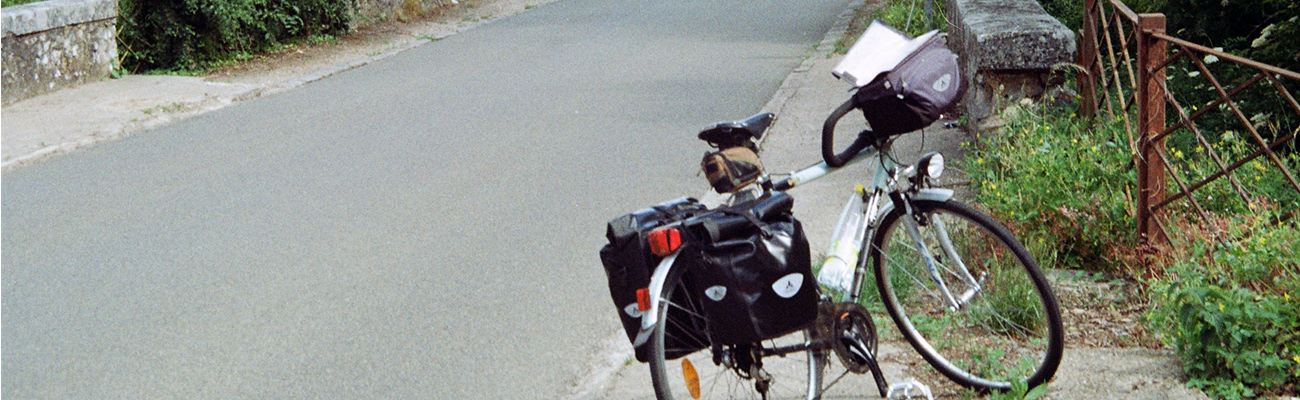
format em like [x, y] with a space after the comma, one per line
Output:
[884, 181]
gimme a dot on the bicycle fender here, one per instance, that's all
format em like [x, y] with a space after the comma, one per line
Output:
[666, 269]
[931, 194]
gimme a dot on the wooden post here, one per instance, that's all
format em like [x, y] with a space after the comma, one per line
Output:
[1151, 122]
[1088, 59]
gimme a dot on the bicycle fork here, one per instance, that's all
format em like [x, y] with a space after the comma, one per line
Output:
[953, 260]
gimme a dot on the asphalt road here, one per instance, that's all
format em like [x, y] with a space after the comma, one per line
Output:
[425, 226]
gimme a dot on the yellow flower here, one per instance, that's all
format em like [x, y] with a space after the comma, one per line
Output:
[1220, 307]
[980, 161]
[1297, 359]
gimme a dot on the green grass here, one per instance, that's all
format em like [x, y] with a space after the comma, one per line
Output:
[7, 3]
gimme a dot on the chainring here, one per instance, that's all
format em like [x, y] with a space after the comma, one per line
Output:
[853, 337]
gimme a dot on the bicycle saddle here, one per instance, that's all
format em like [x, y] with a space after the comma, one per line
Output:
[737, 133]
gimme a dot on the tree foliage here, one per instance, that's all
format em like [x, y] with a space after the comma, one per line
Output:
[194, 34]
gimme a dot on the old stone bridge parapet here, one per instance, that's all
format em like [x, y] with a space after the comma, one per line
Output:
[1008, 51]
[55, 44]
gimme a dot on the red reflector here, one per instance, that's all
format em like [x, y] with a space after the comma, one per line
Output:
[643, 299]
[665, 241]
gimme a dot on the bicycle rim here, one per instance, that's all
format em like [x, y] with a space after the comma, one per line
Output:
[728, 374]
[1008, 330]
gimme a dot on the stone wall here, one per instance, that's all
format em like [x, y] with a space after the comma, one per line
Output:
[55, 44]
[1009, 50]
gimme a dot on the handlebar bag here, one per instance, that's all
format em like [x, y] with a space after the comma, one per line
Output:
[755, 282]
[629, 264]
[914, 94]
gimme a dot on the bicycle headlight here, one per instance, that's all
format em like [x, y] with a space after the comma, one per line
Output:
[931, 165]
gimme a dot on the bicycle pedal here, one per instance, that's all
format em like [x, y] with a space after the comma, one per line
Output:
[904, 390]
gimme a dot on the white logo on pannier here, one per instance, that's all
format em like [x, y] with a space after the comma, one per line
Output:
[788, 285]
[942, 83]
[633, 311]
[716, 292]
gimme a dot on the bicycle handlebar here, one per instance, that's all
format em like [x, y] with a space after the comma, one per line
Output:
[863, 140]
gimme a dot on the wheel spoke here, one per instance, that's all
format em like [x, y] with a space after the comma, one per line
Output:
[996, 335]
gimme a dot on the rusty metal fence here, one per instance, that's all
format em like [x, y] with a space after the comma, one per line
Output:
[1211, 133]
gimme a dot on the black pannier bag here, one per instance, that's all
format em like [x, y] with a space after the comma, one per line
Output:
[752, 271]
[629, 264]
[915, 92]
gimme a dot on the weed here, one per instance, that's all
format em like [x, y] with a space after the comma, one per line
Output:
[1062, 184]
[1228, 310]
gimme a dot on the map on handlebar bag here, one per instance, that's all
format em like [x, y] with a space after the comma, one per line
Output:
[880, 49]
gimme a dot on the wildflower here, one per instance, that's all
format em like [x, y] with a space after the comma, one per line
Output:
[1285, 295]
[1220, 307]
[980, 161]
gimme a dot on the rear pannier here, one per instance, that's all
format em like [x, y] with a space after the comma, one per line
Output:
[754, 279]
[747, 267]
[629, 262]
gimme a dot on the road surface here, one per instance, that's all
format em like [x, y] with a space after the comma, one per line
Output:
[425, 226]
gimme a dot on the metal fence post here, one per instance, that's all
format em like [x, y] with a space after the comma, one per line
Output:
[1151, 122]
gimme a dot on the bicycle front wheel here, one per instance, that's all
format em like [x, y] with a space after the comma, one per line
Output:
[686, 364]
[967, 295]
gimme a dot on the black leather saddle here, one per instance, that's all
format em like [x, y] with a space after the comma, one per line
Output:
[738, 133]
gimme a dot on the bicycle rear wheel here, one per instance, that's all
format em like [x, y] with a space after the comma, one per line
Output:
[709, 371]
[1007, 328]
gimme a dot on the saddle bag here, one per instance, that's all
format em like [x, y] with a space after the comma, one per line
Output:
[752, 271]
[629, 263]
[731, 169]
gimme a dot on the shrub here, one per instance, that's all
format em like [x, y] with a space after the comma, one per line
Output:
[1229, 312]
[178, 35]
[1064, 186]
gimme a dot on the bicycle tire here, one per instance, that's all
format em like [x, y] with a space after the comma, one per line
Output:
[1010, 330]
[791, 378]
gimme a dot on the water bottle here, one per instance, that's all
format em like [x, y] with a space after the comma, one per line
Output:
[842, 258]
